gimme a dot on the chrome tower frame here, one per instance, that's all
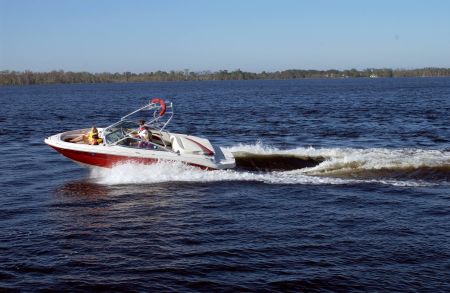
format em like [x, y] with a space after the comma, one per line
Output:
[154, 124]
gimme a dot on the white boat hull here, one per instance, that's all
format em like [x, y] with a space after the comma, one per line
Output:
[109, 156]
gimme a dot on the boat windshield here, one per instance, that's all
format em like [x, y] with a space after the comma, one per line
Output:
[119, 131]
[125, 132]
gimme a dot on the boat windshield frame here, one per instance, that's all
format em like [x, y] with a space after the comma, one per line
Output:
[157, 124]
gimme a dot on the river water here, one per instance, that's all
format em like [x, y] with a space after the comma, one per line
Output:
[373, 214]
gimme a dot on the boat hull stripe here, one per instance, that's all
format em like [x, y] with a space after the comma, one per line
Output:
[107, 160]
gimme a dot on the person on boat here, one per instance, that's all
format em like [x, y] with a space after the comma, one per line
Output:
[144, 134]
[141, 124]
[91, 137]
[94, 138]
[143, 129]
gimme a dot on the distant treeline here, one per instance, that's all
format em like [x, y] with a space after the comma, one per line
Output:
[29, 77]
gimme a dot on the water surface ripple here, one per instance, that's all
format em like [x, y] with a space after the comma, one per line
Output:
[367, 211]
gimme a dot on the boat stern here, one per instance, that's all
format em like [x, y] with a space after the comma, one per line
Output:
[223, 158]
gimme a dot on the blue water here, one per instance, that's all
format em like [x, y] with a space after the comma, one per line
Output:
[373, 216]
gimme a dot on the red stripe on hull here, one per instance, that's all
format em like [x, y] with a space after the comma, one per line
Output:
[108, 161]
[208, 151]
[101, 160]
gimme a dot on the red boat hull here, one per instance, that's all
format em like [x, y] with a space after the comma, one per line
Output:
[101, 160]
[107, 160]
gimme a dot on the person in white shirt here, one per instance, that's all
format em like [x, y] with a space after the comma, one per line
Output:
[144, 134]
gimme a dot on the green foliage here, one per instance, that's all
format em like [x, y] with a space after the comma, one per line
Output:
[28, 77]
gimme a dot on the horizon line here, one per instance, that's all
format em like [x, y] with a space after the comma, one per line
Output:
[2, 71]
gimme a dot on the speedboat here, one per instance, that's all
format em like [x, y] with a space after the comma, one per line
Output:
[121, 144]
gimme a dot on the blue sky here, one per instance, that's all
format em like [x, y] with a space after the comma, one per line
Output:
[252, 35]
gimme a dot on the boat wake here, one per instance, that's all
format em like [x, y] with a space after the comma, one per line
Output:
[259, 163]
[349, 163]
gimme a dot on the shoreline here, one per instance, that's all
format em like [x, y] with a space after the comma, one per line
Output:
[19, 78]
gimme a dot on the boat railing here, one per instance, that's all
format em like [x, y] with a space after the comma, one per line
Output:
[154, 123]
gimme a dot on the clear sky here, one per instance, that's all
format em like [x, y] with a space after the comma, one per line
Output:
[251, 35]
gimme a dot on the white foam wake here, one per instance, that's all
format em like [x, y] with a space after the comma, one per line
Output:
[346, 159]
[178, 172]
